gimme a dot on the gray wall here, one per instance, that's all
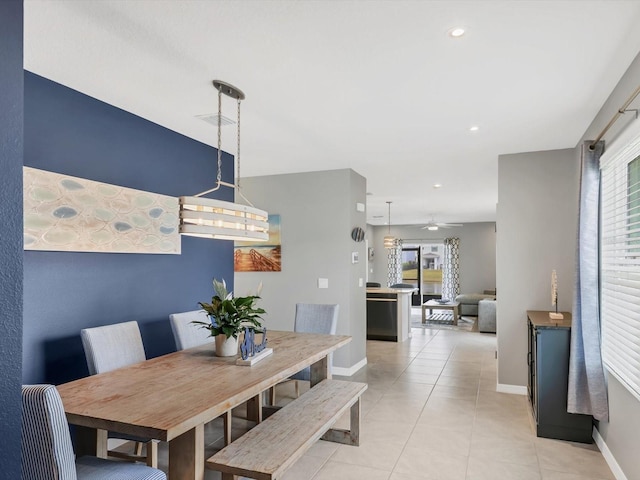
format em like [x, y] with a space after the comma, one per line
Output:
[532, 199]
[11, 143]
[537, 204]
[621, 432]
[477, 251]
[317, 212]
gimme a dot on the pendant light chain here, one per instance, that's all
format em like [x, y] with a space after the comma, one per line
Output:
[389, 241]
[219, 177]
[221, 219]
[238, 149]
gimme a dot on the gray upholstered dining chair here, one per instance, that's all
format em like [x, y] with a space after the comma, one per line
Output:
[312, 318]
[47, 452]
[108, 348]
[186, 334]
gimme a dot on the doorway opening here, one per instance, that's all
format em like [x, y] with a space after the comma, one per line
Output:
[422, 268]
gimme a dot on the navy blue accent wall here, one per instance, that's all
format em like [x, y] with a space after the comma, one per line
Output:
[11, 141]
[71, 133]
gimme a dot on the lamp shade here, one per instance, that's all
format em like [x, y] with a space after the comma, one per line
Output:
[389, 241]
[208, 218]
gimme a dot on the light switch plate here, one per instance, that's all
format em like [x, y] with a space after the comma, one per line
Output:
[323, 283]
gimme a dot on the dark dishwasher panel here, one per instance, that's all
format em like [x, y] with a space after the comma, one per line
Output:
[382, 317]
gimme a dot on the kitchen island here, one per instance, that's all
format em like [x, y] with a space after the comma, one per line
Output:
[389, 314]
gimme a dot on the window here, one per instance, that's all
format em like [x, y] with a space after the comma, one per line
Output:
[422, 267]
[410, 266]
[620, 261]
[432, 256]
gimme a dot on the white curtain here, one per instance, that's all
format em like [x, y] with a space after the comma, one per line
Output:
[451, 268]
[587, 391]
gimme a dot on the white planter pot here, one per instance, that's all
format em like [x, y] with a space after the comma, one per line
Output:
[226, 346]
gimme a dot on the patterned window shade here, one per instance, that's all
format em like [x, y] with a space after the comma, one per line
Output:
[451, 268]
[394, 256]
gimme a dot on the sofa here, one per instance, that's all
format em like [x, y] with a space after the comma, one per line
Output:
[469, 302]
[487, 316]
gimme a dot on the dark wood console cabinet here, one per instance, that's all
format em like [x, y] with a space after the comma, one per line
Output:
[548, 360]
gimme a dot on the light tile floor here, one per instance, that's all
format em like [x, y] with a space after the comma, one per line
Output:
[431, 412]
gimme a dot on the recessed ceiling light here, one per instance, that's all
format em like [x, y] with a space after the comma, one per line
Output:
[456, 32]
[475, 128]
[437, 185]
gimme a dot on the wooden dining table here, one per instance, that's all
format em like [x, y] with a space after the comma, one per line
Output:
[170, 398]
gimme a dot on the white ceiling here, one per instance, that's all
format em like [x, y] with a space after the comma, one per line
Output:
[376, 86]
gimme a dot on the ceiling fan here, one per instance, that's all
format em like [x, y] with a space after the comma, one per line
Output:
[433, 225]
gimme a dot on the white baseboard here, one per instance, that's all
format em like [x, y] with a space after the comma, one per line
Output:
[512, 389]
[608, 456]
[347, 372]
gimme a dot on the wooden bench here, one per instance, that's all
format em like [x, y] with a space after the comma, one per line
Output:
[266, 451]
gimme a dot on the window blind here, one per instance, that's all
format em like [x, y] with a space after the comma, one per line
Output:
[620, 260]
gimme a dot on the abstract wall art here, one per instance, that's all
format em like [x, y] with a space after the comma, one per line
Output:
[65, 213]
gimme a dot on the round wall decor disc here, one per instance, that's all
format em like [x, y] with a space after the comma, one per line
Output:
[357, 234]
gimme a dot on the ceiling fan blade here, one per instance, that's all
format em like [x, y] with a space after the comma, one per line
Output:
[433, 225]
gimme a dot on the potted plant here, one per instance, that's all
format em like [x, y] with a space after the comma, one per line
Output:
[229, 316]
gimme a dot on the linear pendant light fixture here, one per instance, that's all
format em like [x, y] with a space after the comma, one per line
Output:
[389, 240]
[209, 218]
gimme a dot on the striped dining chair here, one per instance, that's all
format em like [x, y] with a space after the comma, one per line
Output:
[115, 346]
[47, 452]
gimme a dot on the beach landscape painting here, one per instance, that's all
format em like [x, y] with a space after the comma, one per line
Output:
[260, 256]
